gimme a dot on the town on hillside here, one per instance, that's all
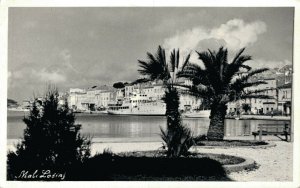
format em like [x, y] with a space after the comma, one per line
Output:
[98, 99]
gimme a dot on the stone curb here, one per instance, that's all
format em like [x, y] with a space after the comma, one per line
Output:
[247, 164]
[230, 147]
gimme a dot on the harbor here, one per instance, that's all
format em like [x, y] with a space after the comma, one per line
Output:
[110, 94]
[133, 128]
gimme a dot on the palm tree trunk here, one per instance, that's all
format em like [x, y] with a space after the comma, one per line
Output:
[216, 126]
[171, 99]
[172, 105]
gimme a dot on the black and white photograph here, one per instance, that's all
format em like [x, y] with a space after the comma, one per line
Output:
[149, 94]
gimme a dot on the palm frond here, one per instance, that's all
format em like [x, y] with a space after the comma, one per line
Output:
[173, 60]
[205, 57]
[246, 67]
[151, 57]
[199, 91]
[177, 59]
[239, 85]
[238, 55]
[186, 61]
[211, 70]
[251, 73]
[257, 94]
[155, 68]
[194, 73]
[256, 71]
[235, 66]
[161, 56]
[152, 69]
[221, 62]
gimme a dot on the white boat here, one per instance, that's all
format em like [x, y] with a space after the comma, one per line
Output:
[18, 109]
[101, 112]
[198, 114]
[139, 105]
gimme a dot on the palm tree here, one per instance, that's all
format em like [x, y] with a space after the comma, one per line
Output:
[178, 139]
[220, 82]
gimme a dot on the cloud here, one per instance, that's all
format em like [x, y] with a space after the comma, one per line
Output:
[186, 40]
[53, 77]
[38, 75]
[234, 34]
[239, 34]
[65, 58]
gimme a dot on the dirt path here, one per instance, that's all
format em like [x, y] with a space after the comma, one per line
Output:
[276, 163]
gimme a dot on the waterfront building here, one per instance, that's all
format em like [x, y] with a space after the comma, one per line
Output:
[75, 99]
[285, 98]
[104, 98]
[268, 105]
[129, 89]
[189, 103]
[99, 97]
[120, 93]
[258, 105]
[154, 92]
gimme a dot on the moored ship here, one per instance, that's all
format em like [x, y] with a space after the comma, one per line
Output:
[139, 104]
[198, 114]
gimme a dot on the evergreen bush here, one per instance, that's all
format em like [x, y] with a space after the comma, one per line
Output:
[51, 140]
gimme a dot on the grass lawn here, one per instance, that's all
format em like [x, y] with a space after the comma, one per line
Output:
[154, 166]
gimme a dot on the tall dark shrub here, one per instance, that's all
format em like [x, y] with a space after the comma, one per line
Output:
[51, 139]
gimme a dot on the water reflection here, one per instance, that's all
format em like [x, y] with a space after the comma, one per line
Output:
[106, 126]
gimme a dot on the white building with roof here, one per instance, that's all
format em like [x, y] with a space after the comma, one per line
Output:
[258, 105]
[285, 98]
[75, 99]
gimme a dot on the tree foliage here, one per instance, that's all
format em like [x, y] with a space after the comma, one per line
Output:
[177, 138]
[119, 85]
[220, 82]
[51, 139]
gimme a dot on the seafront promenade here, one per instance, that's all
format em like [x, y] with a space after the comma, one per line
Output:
[275, 163]
[261, 117]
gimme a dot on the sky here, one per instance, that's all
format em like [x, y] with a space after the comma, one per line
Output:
[84, 47]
